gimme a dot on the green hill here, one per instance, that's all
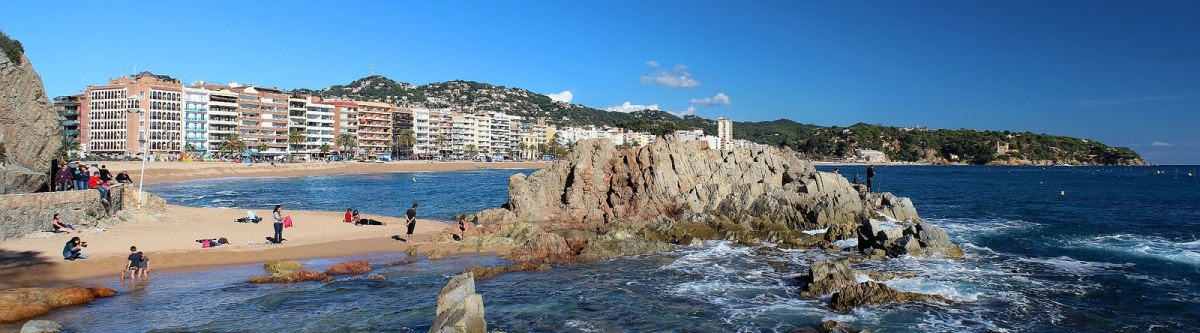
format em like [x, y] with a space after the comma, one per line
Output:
[817, 142]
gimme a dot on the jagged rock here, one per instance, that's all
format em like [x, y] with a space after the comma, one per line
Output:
[349, 268]
[29, 127]
[934, 239]
[459, 308]
[295, 276]
[437, 253]
[833, 326]
[41, 326]
[20, 303]
[544, 248]
[884, 276]
[679, 193]
[874, 293]
[484, 273]
[826, 276]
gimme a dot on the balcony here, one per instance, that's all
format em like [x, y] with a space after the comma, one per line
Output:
[70, 132]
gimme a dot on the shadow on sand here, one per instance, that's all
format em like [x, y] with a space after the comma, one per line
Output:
[25, 268]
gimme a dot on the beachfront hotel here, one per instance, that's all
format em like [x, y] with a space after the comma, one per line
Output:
[130, 109]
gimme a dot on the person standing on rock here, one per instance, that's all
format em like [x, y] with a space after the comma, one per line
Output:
[870, 175]
[105, 175]
[411, 222]
[278, 216]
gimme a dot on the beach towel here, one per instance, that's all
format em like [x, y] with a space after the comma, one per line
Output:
[287, 221]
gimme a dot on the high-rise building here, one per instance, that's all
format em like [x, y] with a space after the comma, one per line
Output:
[725, 133]
[262, 119]
[298, 123]
[195, 120]
[319, 127]
[402, 120]
[375, 127]
[345, 116]
[68, 109]
[222, 118]
[463, 135]
[130, 111]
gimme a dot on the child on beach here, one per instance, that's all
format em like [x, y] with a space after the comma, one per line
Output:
[144, 265]
[134, 263]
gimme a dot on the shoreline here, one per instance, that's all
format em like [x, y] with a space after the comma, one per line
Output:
[169, 242]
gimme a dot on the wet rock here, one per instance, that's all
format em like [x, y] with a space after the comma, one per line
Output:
[833, 326]
[935, 240]
[874, 293]
[282, 267]
[459, 308]
[401, 262]
[41, 326]
[295, 276]
[437, 253]
[376, 277]
[484, 273]
[827, 276]
[21, 303]
[349, 268]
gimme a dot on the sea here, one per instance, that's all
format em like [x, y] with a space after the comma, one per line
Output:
[1049, 249]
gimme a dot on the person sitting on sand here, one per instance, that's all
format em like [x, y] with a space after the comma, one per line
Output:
[349, 217]
[74, 248]
[355, 218]
[60, 226]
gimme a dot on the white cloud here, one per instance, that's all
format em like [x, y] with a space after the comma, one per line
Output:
[628, 107]
[652, 63]
[1161, 144]
[719, 99]
[1107, 102]
[564, 96]
[677, 77]
[691, 110]
[1172, 144]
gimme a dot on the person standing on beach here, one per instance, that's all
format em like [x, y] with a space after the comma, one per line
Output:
[870, 174]
[278, 216]
[104, 174]
[411, 223]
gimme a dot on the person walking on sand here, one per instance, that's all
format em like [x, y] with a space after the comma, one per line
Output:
[134, 263]
[278, 216]
[870, 175]
[411, 223]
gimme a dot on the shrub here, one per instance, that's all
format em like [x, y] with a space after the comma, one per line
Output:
[12, 48]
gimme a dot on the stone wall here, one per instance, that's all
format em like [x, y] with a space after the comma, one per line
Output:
[23, 214]
[29, 128]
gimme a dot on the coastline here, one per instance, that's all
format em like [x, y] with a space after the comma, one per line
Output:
[181, 171]
[169, 238]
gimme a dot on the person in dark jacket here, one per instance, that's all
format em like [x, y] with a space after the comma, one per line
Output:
[80, 176]
[63, 178]
[104, 174]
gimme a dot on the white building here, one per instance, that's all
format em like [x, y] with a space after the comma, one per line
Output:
[725, 133]
[195, 120]
[319, 119]
[870, 155]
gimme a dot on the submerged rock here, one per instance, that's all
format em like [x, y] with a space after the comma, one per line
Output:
[295, 276]
[459, 308]
[484, 273]
[20, 303]
[282, 267]
[874, 293]
[41, 326]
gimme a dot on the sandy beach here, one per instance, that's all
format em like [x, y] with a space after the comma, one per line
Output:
[170, 239]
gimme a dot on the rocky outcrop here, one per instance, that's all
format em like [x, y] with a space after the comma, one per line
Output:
[679, 193]
[29, 128]
[827, 276]
[349, 268]
[906, 238]
[26, 214]
[459, 308]
[875, 293]
[484, 273]
[21, 303]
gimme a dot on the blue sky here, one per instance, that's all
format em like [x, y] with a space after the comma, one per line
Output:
[1124, 73]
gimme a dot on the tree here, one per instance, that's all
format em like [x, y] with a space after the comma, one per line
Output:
[232, 145]
[521, 146]
[324, 148]
[406, 138]
[262, 147]
[346, 140]
[555, 146]
[470, 151]
[440, 140]
[64, 151]
[191, 148]
[296, 137]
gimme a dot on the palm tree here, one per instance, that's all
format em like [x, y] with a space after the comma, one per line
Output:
[64, 151]
[262, 147]
[440, 141]
[325, 148]
[232, 145]
[345, 140]
[406, 138]
[470, 151]
[521, 148]
[296, 137]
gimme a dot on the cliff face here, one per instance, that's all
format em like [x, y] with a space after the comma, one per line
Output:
[677, 192]
[29, 127]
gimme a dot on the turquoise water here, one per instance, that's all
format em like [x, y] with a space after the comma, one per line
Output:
[1117, 253]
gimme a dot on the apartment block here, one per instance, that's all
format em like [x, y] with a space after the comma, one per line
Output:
[132, 116]
[375, 127]
[725, 133]
[222, 117]
[319, 129]
[195, 120]
[297, 122]
[262, 119]
[68, 109]
[345, 116]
